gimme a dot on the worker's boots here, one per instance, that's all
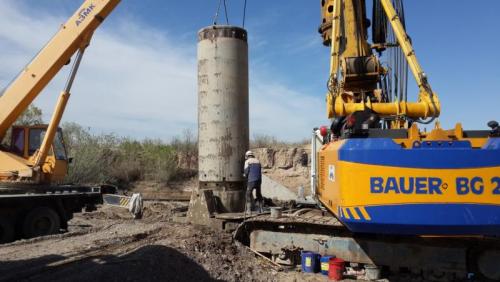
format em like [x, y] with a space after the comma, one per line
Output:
[260, 206]
[248, 208]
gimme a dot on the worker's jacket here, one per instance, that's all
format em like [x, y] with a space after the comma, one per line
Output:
[252, 170]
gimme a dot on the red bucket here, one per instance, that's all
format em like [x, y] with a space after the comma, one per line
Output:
[336, 269]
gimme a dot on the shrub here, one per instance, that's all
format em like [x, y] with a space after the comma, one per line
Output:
[94, 156]
[268, 141]
[187, 150]
[31, 116]
[263, 141]
[107, 158]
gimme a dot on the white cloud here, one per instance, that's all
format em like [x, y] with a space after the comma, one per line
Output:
[279, 111]
[138, 81]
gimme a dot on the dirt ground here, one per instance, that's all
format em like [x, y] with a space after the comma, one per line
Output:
[108, 245]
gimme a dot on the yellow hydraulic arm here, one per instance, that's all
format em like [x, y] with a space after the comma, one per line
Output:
[39, 158]
[404, 42]
[343, 20]
[426, 96]
[74, 35]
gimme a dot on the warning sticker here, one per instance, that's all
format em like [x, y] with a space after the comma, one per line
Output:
[331, 173]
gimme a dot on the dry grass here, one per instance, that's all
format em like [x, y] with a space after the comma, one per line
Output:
[107, 158]
[268, 141]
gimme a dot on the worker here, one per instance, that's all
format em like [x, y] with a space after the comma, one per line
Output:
[252, 171]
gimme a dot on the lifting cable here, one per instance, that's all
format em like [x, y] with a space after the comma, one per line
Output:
[244, 13]
[225, 10]
[217, 13]
[216, 17]
[396, 86]
[395, 83]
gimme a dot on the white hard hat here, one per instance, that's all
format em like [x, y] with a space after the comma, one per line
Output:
[248, 154]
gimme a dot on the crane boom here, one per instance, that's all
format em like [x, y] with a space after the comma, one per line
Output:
[75, 34]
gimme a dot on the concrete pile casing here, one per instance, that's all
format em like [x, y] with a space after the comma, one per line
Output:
[223, 126]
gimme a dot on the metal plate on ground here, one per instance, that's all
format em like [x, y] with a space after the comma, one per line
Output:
[235, 215]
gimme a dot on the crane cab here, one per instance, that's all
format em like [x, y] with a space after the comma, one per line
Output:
[25, 144]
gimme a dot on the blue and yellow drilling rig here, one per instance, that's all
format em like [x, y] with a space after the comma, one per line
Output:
[378, 173]
[387, 193]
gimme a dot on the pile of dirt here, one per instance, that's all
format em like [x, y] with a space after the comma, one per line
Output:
[283, 158]
[218, 254]
[155, 211]
[105, 213]
[288, 166]
[179, 189]
[132, 250]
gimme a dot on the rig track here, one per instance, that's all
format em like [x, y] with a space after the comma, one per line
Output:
[433, 258]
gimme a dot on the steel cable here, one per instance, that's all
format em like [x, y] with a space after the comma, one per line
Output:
[244, 13]
[216, 17]
[394, 85]
[225, 10]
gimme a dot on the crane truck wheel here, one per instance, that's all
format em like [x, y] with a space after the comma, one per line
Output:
[7, 231]
[41, 221]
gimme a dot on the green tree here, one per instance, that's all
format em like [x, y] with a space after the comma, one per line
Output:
[31, 116]
[107, 158]
[187, 149]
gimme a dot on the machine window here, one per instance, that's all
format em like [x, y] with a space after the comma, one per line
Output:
[60, 150]
[36, 138]
[17, 145]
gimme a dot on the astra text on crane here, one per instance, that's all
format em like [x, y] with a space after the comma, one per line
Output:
[84, 13]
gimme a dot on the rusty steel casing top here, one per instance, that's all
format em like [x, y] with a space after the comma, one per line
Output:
[222, 31]
[223, 129]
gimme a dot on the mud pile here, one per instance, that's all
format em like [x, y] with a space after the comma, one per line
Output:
[108, 245]
[154, 211]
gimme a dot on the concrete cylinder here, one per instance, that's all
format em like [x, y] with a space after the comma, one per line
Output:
[223, 113]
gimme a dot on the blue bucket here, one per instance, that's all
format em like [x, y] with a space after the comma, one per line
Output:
[324, 262]
[310, 262]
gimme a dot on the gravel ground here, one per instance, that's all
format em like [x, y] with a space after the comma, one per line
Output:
[108, 245]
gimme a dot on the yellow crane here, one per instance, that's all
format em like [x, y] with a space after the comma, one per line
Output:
[37, 154]
[33, 200]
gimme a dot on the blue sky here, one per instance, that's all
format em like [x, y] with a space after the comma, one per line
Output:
[139, 75]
